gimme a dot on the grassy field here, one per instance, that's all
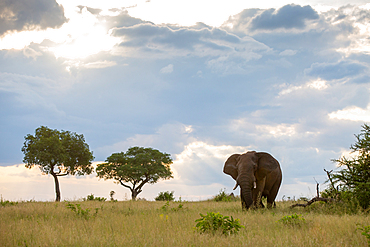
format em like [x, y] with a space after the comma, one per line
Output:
[143, 223]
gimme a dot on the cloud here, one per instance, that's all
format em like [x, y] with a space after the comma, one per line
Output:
[181, 41]
[288, 52]
[99, 64]
[167, 70]
[315, 84]
[19, 15]
[352, 113]
[287, 17]
[333, 71]
[201, 163]
[29, 52]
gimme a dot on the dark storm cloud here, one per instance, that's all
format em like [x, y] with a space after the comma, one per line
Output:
[332, 71]
[18, 15]
[288, 17]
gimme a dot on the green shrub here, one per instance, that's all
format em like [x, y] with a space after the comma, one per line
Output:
[92, 198]
[366, 232]
[214, 222]
[4, 203]
[166, 207]
[84, 213]
[293, 220]
[165, 196]
[222, 196]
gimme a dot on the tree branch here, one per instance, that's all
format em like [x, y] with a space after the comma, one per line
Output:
[60, 175]
[315, 199]
[124, 185]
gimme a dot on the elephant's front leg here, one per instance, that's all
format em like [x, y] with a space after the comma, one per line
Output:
[257, 193]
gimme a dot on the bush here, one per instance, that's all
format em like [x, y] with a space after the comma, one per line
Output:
[165, 196]
[4, 203]
[293, 220]
[224, 197]
[366, 232]
[92, 198]
[213, 222]
[84, 213]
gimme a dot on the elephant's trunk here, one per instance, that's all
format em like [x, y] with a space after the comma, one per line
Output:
[246, 185]
[246, 196]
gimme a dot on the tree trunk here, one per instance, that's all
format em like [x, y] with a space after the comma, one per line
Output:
[134, 195]
[57, 190]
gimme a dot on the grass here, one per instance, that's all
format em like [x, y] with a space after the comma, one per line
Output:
[145, 223]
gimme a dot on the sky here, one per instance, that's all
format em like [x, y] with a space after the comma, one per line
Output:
[200, 80]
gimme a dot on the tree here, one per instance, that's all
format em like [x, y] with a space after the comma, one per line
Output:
[137, 166]
[354, 178]
[58, 153]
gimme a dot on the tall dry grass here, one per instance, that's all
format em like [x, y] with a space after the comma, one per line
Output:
[155, 224]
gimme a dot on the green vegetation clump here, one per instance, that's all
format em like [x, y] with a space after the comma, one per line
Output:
[214, 222]
[84, 213]
[222, 196]
[293, 220]
[93, 198]
[6, 202]
[165, 196]
[352, 182]
[366, 232]
[166, 207]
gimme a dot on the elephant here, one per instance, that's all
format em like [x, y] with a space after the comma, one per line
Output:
[258, 174]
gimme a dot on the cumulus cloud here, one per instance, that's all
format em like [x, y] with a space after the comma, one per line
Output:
[340, 70]
[180, 41]
[18, 15]
[287, 17]
[167, 70]
[352, 113]
[288, 92]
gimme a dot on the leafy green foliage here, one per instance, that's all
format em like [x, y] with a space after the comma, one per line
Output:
[366, 232]
[93, 198]
[6, 202]
[354, 178]
[222, 196]
[216, 222]
[58, 153]
[84, 213]
[137, 166]
[111, 194]
[293, 220]
[166, 207]
[165, 196]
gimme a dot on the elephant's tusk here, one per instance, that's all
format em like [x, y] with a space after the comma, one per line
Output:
[236, 185]
[254, 185]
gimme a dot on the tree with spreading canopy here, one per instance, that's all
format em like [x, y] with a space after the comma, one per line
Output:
[58, 153]
[353, 180]
[137, 166]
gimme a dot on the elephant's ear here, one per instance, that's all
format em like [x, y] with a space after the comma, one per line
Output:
[266, 162]
[230, 166]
